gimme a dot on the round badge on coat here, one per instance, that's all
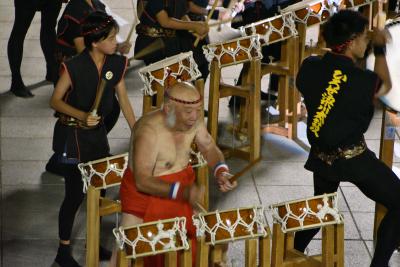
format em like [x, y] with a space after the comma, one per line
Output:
[109, 75]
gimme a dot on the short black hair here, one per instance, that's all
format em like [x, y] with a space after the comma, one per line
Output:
[96, 27]
[343, 26]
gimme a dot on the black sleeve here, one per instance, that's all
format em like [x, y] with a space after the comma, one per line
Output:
[369, 83]
[374, 83]
[200, 3]
[73, 17]
[153, 7]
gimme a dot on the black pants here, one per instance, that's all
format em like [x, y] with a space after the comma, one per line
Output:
[24, 13]
[72, 201]
[376, 181]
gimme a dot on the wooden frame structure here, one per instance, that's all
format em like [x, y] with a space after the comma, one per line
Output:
[284, 254]
[96, 208]
[171, 259]
[249, 111]
[97, 175]
[288, 95]
[209, 255]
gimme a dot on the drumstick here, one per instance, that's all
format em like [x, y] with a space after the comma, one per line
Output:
[207, 20]
[99, 95]
[248, 167]
[220, 22]
[130, 32]
[154, 46]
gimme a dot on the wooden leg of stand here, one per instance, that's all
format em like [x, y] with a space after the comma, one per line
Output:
[282, 99]
[201, 253]
[213, 100]
[339, 242]
[170, 259]
[278, 249]
[92, 227]
[283, 86]
[380, 212]
[122, 261]
[138, 262]
[243, 115]
[302, 32]
[251, 253]
[202, 179]
[147, 102]
[294, 96]
[254, 122]
[160, 95]
[328, 249]
[185, 258]
[200, 88]
[289, 241]
[244, 118]
[264, 250]
[216, 254]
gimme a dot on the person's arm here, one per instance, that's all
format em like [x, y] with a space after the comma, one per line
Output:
[381, 69]
[144, 160]
[201, 28]
[58, 104]
[214, 158]
[197, 9]
[124, 103]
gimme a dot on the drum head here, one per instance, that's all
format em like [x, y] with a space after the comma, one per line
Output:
[392, 99]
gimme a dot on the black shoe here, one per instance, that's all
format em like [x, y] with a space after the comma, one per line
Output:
[104, 254]
[21, 91]
[64, 257]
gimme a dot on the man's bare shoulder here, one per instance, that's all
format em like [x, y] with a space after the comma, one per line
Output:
[149, 123]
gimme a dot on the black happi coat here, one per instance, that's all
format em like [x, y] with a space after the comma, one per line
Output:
[69, 25]
[345, 104]
[171, 45]
[77, 144]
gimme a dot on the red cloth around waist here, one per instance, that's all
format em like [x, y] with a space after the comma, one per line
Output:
[152, 208]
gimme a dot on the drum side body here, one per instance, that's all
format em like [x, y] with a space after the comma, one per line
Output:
[151, 233]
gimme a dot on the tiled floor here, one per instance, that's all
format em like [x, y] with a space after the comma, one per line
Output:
[30, 197]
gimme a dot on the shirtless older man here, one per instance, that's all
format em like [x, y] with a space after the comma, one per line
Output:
[160, 183]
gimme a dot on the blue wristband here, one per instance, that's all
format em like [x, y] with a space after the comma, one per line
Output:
[173, 191]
